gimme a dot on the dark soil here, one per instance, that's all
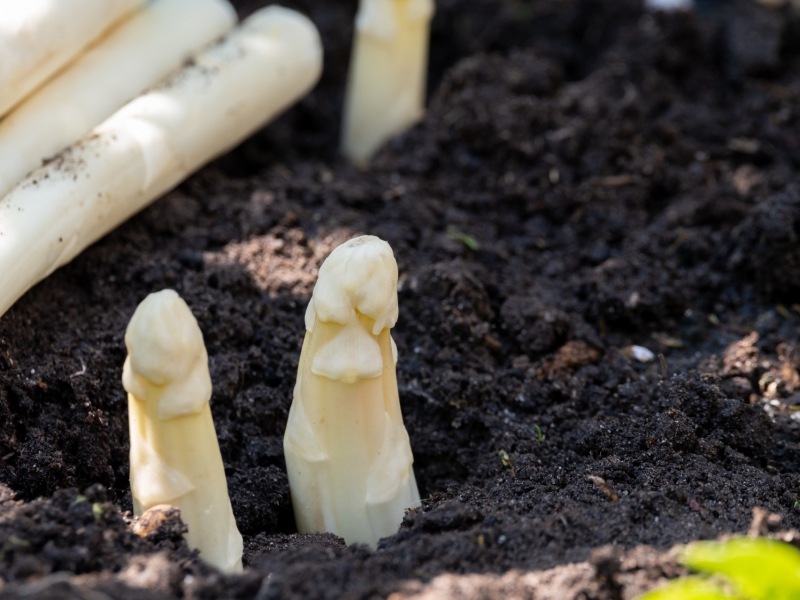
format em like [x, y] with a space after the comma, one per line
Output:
[588, 177]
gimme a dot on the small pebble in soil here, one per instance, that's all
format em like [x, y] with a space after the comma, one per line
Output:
[641, 354]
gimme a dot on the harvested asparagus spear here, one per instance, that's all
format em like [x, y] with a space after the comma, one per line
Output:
[133, 56]
[175, 455]
[348, 455]
[153, 143]
[38, 37]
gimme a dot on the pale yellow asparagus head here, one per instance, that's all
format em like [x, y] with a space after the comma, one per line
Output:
[167, 360]
[380, 18]
[357, 292]
[348, 455]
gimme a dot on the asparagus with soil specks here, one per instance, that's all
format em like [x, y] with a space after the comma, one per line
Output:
[153, 143]
[135, 55]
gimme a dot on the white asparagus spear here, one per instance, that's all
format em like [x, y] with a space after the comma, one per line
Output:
[38, 37]
[348, 455]
[133, 56]
[153, 143]
[388, 71]
[175, 454]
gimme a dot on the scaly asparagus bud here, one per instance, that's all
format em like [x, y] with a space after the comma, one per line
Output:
[38, 37]
[347, 451]
[132, 57]
[150, 145]
[175, 456]
[388, 71]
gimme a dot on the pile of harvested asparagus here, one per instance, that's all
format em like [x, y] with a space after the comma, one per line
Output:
[105, 105]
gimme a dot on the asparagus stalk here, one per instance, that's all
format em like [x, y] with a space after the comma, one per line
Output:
[175, 456]
[38, 37]
[388, 70]
[347, 451]
[153, 143]
[133, 56]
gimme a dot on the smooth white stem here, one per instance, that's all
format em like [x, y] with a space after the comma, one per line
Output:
[153, 143]
[175, 457]
[347, 451]
[38, 37]
[133, 56]
[388, 72]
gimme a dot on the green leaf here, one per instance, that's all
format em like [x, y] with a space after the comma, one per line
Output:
[454, 234]
[759, 568]
[504, 458]
[688, 588]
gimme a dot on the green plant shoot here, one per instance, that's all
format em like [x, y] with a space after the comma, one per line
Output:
[688, 588]
[757, 569]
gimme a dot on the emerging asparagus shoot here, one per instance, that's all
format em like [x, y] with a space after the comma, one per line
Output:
[386, 83]
[175, 456]
[347, 451]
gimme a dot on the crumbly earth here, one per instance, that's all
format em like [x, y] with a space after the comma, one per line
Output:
[588, 178]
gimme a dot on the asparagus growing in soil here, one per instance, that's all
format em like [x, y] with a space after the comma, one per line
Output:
[386, 82]
[38, 37]
[153, 143]
[175, 456]
[347, 451]
[133, 56]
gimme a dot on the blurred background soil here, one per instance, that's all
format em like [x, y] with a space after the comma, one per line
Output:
[588, 178]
